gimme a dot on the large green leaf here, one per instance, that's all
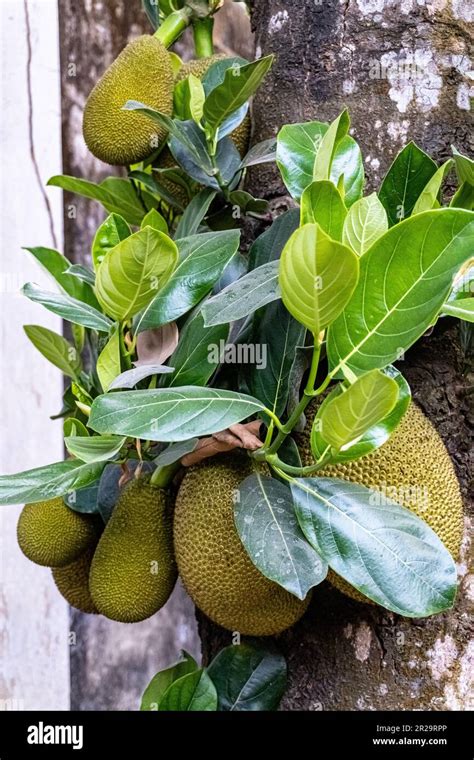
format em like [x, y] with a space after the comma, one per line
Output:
[56, 349]
[108, 362]
[59, 267]
[132, 272]
[364, 404]
[68, 308]
[462, 308]
[428, 199]
[404, 280]
[405, 181]
[364, 224]
[240, 298]
[96, 448]
[248, 677]
[269, 245]
[381, 548]
[170, 414]
[297, 148]
[239, 85]
[111, 232]
[46, 482]
[197, 354]
[330, 141]
[193, 691]
[317, 277]
[266, 523]
[162, 680]
[203, 258]
[321, 203]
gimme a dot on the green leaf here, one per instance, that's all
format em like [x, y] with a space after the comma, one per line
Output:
[96, 448]
[132, 272]
[68, 308]
[156, 188]
[131, 377]
[249, 677]
[115, 194]
[317, 277]
[364, 224]
[464, 197]
[175, 451]
[331, 139]
[189, 97]
[262, 153]
[381, 548]
[72, 426]
[84, 500]
[226, 159]
[44, 483]
[266, 523]
[111, 232]
[194, 213]
[155, 220]
[297, 146]
[364, 404]
[428, 199]
[59, 268]
[275, 329]
[405, 181]
[170, 414]
[405, 278]
[375, 436]
[152, 10]
[203, 258]
[56, 349]
[321, 203]
[162, 680]
[192, 692]
[239, 85]
[197, 354]
[464, 167]
[244, 296]
[462, 308]
[82, 273]
[108, 362]
[215, 74]
[269, 245]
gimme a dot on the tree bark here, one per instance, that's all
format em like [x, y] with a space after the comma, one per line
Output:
[345, 655]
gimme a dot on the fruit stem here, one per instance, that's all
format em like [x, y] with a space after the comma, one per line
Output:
[163, 475]
[173, 26]
[202, 33]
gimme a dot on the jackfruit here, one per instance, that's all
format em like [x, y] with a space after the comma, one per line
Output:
[212, 562]
[412, 468]
[51, 534]
[133, 571]
[72, 582]
[143, 72]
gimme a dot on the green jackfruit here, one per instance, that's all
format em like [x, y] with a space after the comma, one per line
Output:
[51, 534]
[72, 582]
[412, 468]
[142, 72]
[133, 571]
[212, 562]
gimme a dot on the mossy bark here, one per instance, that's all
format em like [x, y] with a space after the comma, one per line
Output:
[344, 655]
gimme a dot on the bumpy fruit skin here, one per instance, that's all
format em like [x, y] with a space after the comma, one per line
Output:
[72, 582]
[133, 571]
[416, 463]
[212, 562]
[51, 534]
[141, 72]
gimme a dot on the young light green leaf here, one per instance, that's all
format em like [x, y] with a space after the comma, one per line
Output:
[194, 213]
[111, 232]
[44, 483]
[108, 363]
[56, 349]
[428, 198]
[132, 272]
[317, 277]
[240, 83]
[155, 220]
[72, 426]
[321, 203]
[162, 680]
[174, 414]
[244, 296]
[265, 520]
[462, 308]
[463, 197]
[131, 377]
[336, 131]
[203, 259]
[364, 224]
[193, 691]
[96, 448]
[196, 98]
[197, 354]
[405, 181]
[248, 677]
[404, 280]
[364, 404]
[464, 167]
[381, 548]
[68, 308]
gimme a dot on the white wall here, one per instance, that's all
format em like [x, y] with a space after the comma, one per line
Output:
[34, 649]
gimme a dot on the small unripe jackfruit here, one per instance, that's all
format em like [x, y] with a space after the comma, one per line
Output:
[142, 72]
[133, 571]
[51, 534]
[412, 468]
[72, 582]
[212, 562]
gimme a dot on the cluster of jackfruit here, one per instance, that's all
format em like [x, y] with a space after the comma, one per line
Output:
[125, 571]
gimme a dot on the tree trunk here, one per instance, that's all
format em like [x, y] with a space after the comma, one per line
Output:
[346, 655]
